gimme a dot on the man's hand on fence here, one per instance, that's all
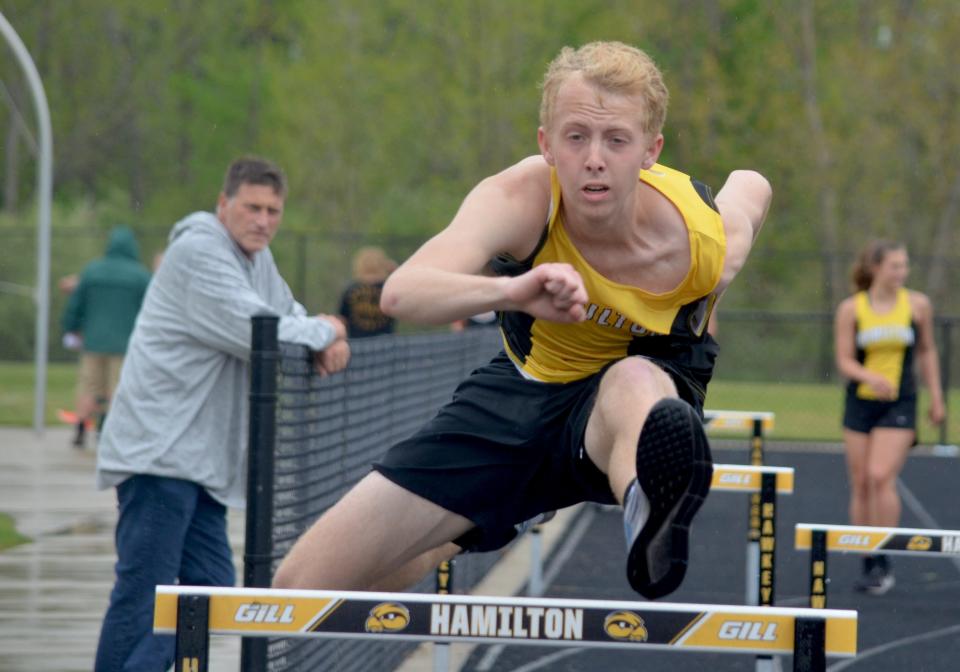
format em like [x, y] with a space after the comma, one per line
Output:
[334, 358]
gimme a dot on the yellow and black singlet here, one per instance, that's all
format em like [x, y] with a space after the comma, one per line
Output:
[885, 344]
[621, 319]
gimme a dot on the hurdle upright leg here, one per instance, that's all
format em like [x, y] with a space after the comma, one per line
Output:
[818, 569]
[192, 652]
[753, 520]
[441, 650]
[809, 645]
[766, 559]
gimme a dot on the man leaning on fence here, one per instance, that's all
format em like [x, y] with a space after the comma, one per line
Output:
[173, 444]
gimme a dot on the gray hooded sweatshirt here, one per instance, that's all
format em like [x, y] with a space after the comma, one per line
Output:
[180, 409]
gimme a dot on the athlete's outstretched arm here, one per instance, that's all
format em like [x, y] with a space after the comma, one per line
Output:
[743, 202]
[443, 281]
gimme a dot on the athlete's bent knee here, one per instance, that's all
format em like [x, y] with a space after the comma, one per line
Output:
[639, 373]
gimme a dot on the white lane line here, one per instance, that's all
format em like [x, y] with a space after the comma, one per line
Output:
[547, 660]
[569, 545]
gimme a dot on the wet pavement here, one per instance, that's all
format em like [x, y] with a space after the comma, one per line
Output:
[54, 590]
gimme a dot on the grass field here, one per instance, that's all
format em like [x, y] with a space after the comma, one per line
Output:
[9, 537]
[16, 392]
[803, 411]
[813, 412]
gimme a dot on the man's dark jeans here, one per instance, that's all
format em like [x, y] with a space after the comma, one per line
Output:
[169, 531]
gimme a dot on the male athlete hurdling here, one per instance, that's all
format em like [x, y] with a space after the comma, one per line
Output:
[604, 267]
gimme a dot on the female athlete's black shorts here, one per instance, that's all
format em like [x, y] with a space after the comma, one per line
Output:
[506, 449]
[863, 415]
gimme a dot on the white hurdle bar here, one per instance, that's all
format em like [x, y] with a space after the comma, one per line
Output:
[821, 539]
[194, 613]
[748, 478]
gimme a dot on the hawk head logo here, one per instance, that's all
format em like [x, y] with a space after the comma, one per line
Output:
[625, 626]
[387, 617]
[918, 542]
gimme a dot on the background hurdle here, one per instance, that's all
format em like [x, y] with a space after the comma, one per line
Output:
[194, 613]
[765, 482]
[821, 539]
[761, 513]
[757, 423]
[769, 481]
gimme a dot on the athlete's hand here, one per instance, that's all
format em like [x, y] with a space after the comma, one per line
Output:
[553, 292]
[881, 387]
[333, 358]
[937, 412]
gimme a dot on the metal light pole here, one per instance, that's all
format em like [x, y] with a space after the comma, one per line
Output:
[44, 193]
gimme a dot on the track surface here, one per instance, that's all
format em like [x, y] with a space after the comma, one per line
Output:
[915, 627]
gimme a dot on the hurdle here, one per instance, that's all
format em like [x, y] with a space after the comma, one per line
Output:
[763, 484]
[192, 614]
[757, 423]
[767, 482]
[822, 539]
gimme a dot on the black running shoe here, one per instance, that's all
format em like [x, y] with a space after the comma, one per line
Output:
[674, 469]
[878, 580]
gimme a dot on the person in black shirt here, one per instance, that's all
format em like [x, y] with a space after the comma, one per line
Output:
[360, 302]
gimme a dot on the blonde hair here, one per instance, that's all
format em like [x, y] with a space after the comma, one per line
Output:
[614, 67]
[371, 264]
[871, 256]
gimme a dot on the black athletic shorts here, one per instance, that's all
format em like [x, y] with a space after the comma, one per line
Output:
[863, 415]
[507, 448]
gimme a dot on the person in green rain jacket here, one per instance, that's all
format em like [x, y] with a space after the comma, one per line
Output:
[99, 316]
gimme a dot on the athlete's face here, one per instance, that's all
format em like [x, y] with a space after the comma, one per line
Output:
[598, 146]
[251, 216]
[893, 269]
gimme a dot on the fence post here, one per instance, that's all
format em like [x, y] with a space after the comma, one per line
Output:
[258, 543]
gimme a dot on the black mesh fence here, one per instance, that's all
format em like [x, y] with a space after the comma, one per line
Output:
[329, 431]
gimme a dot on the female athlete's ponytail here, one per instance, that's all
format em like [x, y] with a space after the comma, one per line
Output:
[871, 256]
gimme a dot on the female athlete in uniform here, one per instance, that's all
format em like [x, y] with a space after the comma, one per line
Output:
[880, 331]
